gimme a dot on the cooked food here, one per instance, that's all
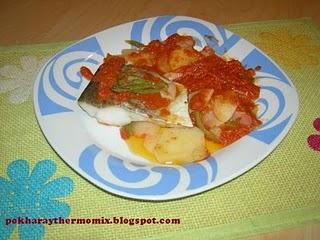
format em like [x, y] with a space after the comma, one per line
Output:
[170, 145]
[119, 94]
[173, 104]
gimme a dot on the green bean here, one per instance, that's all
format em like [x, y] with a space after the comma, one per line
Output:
[138, 85]
[135, 43]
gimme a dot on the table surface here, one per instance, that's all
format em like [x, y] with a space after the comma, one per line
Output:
[35, 21]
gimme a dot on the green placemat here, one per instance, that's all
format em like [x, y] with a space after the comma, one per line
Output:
[282, 191]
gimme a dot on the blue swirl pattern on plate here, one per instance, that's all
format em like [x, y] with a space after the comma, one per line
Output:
[170, 25]
[47, 105]
[125, 177]
[169, 180]
[269, 134]
[257, 58]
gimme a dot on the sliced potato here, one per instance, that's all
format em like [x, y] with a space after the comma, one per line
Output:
[223, 108]
[163, 64]
[140, 58]
[181, 57]
[150, 141]
[180, 145]
[142, 129]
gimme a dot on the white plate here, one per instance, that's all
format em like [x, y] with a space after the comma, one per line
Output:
[98, 153]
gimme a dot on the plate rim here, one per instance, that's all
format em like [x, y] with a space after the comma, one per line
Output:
[184, 194]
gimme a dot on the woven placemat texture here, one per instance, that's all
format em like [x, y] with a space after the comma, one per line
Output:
[282, 191]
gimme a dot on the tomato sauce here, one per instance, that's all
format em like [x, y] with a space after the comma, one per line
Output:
[107, 75]
[152, 101]
[227, 78]
[216, 73]
[156, 55]
[86, 73]
[208, 75]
